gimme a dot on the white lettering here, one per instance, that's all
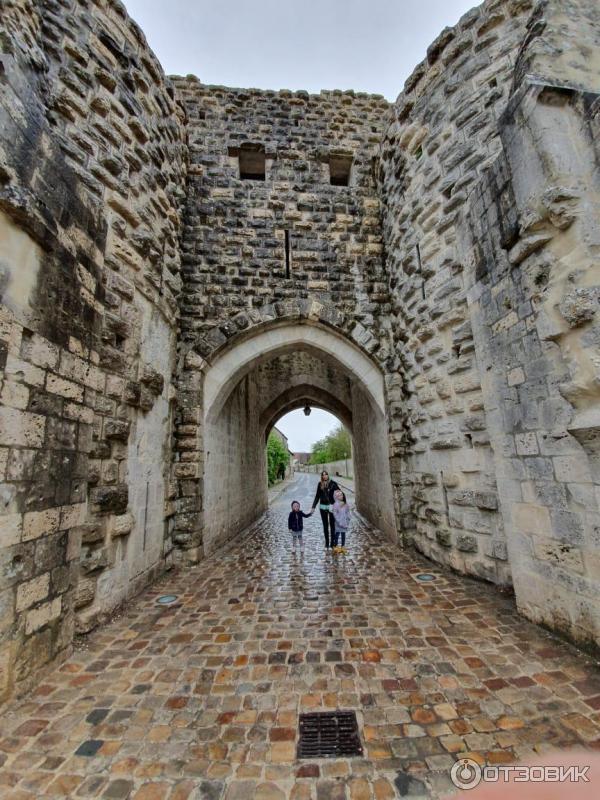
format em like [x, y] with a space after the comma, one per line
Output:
[536, 774]
[521, 774]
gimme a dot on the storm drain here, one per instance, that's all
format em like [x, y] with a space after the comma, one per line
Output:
[166, 599]
[425, 577]
[329, 735]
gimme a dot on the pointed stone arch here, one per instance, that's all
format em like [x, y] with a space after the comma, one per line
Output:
[231, 363]
[209, 344]
[296, 397]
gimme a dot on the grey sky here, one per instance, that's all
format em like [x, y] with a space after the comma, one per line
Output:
[303, 432]
[366, 45]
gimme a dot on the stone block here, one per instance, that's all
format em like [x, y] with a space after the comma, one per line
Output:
[21, 428]
[39, 351]
[64, 388]
[497, 549]
[110, 499]
[38, 617]
[116, 429]
[85, 592]
[526, 444]
[444, 538]
[6, 663]
[91, 532]
[94, 560]
[15, 395]
[79, 413]
[40, 523]
[486, 500]
[73, 544]
[531, 518]
[515, 376]
[561, 554]
[580, 305]
[114, 386]
[153, 380]
[571, 469]
[72, 515]
[7, 610]
[466, 543]
[12, 526]
[121, 525]
[568, 526]
[446, 443]
[32, 592]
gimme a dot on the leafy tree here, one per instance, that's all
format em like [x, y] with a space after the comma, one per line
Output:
[277, 457]
[333, 447]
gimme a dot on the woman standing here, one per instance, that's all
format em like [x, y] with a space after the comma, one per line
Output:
[324, 497]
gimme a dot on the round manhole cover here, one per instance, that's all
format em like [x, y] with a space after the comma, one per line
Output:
[425, 577]
[166, 599]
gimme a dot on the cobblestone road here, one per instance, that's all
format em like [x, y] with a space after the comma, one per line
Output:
[201, 700]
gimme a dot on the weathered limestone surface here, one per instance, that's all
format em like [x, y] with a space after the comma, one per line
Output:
[443, 134]
[92, 170]
[237, 281]
[535, 307]
[490, 191]
[163, 303]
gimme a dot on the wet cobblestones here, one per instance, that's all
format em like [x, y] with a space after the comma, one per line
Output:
[201, 699]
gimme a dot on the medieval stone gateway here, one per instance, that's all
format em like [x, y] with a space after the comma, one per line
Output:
[181, 264]
[247, 388]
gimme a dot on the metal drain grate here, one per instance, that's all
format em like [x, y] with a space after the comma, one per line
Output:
[329, 735]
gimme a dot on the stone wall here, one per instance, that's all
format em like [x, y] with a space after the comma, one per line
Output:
[235, 233]
[490, 196]
[532, 244]
[91, 175]
[442, 135]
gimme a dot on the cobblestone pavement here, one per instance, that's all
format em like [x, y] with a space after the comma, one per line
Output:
[201, 700]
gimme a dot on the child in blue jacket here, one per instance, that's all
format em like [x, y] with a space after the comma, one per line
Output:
[295, 525]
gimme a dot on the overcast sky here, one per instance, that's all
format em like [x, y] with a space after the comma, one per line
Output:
[366, 45]
[303, 432]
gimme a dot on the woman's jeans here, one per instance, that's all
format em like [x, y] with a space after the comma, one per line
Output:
[339, 533]
[328, 526]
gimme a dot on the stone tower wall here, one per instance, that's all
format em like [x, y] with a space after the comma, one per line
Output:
[443, 133]
[490, 195]
[531, 241]
[233, 241]
[91, 175]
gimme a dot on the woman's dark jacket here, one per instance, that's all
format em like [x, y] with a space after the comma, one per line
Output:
[295, 520]
[325, 496]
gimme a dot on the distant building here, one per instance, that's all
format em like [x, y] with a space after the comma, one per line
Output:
[289, 470]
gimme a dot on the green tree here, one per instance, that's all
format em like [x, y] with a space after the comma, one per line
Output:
[277, 457]
[335, 446]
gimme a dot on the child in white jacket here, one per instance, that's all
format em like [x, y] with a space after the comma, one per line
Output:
[341, 514]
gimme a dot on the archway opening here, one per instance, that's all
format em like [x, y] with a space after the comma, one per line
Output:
[315, 439]
[254, 383]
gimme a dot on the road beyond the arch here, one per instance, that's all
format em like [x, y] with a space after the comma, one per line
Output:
[201, 699]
